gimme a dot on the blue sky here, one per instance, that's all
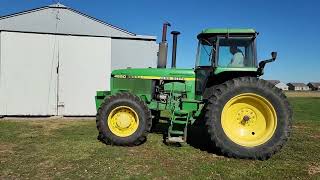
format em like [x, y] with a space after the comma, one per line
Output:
[290, 27]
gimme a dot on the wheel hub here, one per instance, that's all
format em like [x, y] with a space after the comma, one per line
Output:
[248, 119]
[123, 121]
[246, 116]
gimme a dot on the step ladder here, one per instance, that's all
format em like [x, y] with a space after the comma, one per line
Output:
[177, 131]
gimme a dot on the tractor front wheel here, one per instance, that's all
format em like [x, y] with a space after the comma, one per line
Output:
[248, 118]
[123, 119]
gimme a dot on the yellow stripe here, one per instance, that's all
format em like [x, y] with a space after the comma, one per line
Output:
[155, 77]
[190, 79]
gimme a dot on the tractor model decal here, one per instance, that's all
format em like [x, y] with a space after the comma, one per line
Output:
[153, 77]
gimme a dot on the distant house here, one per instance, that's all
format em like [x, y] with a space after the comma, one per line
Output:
[279, 84]
[298, 87]
[314, 86]
[282, 86]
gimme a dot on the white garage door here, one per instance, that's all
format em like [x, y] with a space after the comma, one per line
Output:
[30, 75]
[27, 76]
[85, 67]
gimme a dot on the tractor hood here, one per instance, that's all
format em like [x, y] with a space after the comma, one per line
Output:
[154, 73]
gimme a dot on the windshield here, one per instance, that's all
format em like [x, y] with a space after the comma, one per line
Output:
[236, 52]
[205, 53]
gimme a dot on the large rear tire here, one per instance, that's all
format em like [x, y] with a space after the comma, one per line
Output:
[123, 119]
[248, 118]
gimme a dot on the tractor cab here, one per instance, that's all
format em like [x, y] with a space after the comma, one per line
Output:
[222, 51]
[227, 48]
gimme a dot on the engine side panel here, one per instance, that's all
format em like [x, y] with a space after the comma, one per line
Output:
[143, 88]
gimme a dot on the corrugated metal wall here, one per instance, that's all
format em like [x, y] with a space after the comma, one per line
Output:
[87, 49]
[133, 53]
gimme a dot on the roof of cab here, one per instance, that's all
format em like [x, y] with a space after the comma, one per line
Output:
[227, 31]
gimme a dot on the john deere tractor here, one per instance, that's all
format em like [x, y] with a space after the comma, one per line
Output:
[245, 116]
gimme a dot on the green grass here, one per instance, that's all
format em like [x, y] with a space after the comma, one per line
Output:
[68, 149]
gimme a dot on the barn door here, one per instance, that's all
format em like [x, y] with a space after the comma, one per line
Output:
[84, 68]
[28, 74]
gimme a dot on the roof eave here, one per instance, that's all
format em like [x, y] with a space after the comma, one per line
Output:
[61, 6]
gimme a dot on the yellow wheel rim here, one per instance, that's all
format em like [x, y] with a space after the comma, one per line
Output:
[249, 119]
[123, 121]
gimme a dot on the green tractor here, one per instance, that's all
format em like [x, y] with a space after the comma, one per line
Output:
[245, 117]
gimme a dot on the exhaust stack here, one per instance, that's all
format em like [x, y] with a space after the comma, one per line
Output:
[174, 48]
[163, 47]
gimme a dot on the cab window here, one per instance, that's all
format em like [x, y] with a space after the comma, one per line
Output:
[205, 54]
[236, 52]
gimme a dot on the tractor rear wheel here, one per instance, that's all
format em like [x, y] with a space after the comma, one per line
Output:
[248, 118]
[123, 119]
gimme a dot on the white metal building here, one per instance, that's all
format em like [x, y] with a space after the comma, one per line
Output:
[279, 84]
[53, 59]
[282, 86]
[298, 87]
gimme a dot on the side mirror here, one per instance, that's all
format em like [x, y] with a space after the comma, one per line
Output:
[263, 63]
[274, 55]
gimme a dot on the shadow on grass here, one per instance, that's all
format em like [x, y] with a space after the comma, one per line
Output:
[197, 136]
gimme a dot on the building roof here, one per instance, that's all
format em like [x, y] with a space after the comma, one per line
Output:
[281, 84]
[314, 84]
[60, 19]
[57, 5]
[274, 82]
[298, 84]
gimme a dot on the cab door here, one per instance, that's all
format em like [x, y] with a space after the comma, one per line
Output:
[204, 66]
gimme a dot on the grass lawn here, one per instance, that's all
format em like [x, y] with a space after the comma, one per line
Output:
[68, 149]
